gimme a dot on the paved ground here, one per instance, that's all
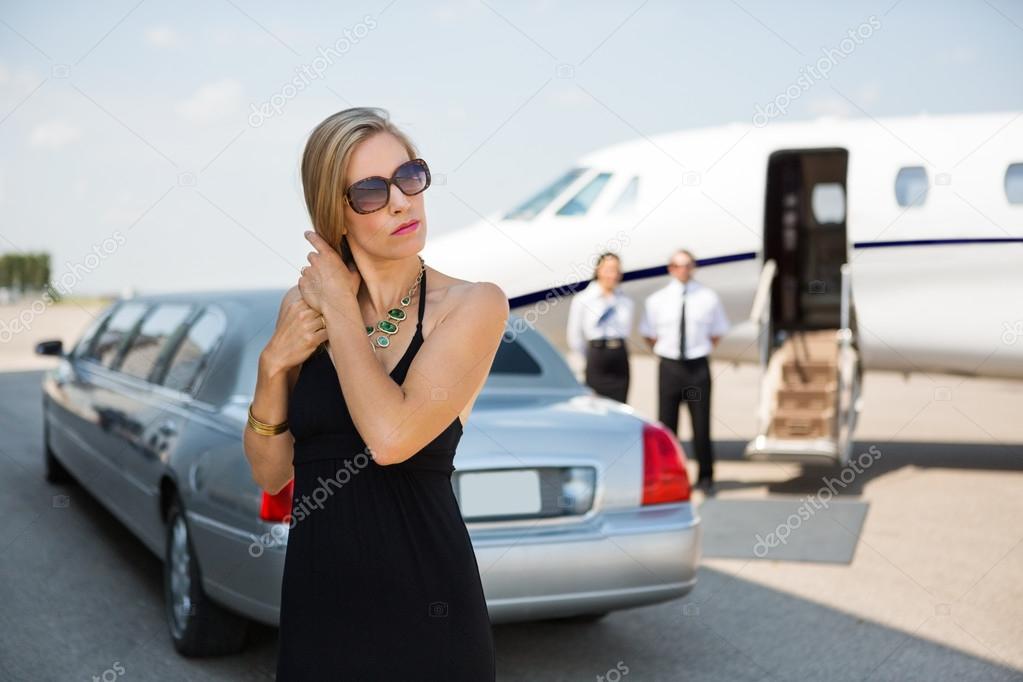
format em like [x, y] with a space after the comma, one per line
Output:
[933, 590]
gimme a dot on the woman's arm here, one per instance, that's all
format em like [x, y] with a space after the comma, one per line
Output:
[397, 421]
[270, 456]
[294, 339]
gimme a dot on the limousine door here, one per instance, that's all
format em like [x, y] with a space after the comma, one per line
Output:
[170, 353]
[95, 412]
[68, 418]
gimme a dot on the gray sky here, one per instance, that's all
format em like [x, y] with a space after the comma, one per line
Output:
[131, 150]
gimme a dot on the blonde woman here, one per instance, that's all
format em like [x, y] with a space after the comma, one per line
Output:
[363, 394]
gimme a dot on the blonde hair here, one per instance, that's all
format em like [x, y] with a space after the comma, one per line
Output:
[325, 163]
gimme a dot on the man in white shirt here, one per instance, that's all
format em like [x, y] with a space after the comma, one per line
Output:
[682, 323]
[599, 323]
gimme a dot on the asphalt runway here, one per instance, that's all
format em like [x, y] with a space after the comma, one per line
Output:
[932, 590]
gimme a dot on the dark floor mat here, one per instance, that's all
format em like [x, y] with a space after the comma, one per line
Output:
[789, 529]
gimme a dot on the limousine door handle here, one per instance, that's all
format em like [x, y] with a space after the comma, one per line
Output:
[167, 429]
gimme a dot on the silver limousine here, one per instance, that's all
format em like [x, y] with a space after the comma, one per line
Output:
[575, 505]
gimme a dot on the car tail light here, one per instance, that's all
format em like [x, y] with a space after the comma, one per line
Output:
[664, 468]
[277, 508]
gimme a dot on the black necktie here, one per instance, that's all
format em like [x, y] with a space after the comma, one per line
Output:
[682, 327]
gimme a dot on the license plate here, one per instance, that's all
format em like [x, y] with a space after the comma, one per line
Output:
[499, 493]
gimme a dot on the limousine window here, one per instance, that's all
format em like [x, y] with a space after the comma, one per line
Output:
[512, 358]
[157, 328]
[193, 354]
[115, 331]
[89, 335]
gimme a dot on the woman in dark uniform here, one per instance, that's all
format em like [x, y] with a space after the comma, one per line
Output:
[599, 323]
[365, 387]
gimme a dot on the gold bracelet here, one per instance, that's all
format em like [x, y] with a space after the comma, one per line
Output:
[264, 429]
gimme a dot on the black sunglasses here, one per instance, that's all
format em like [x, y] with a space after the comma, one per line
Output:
[373, 193]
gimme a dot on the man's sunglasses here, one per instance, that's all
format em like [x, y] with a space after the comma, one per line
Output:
[373, 193]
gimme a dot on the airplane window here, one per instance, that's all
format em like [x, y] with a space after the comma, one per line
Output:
[626, 201]
[828, 202]
[536, 203]
[584, 198]
[911, 186]
[1014, 183]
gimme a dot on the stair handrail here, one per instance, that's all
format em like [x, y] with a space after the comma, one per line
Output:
[845, 299]
[844, 342]
[761, 309]
[760, 316]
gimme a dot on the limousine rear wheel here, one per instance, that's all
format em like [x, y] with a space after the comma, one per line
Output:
[198, 626]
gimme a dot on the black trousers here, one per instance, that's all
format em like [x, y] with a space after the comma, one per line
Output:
[688, 381]
[607, 371]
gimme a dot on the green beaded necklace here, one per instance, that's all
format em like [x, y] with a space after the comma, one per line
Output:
[396, 314]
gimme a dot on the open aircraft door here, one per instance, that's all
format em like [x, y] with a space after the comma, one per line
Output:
[805, 313]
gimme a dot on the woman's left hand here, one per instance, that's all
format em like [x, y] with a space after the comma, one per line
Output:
[327, 279]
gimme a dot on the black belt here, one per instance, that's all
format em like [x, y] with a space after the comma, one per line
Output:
[607, 343]
[679, 361]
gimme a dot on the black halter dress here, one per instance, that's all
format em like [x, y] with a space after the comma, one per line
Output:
[380, 578]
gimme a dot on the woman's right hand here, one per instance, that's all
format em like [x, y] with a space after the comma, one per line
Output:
[299, 331]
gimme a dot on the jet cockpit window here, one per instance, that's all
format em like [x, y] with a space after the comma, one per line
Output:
[626, 201]
[584, 198]
[1014, 183]
[911, 186]
[536, 203]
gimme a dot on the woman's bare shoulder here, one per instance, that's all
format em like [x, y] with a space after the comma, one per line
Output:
[485, 297]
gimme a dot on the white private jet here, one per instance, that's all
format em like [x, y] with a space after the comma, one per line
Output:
[834, 244]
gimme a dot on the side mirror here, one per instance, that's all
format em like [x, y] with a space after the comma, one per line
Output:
[53, 347]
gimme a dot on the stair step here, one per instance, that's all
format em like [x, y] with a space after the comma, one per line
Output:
[788, 423]
[806, 397]
[796, 412]
[814, 372]
[804, 400]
